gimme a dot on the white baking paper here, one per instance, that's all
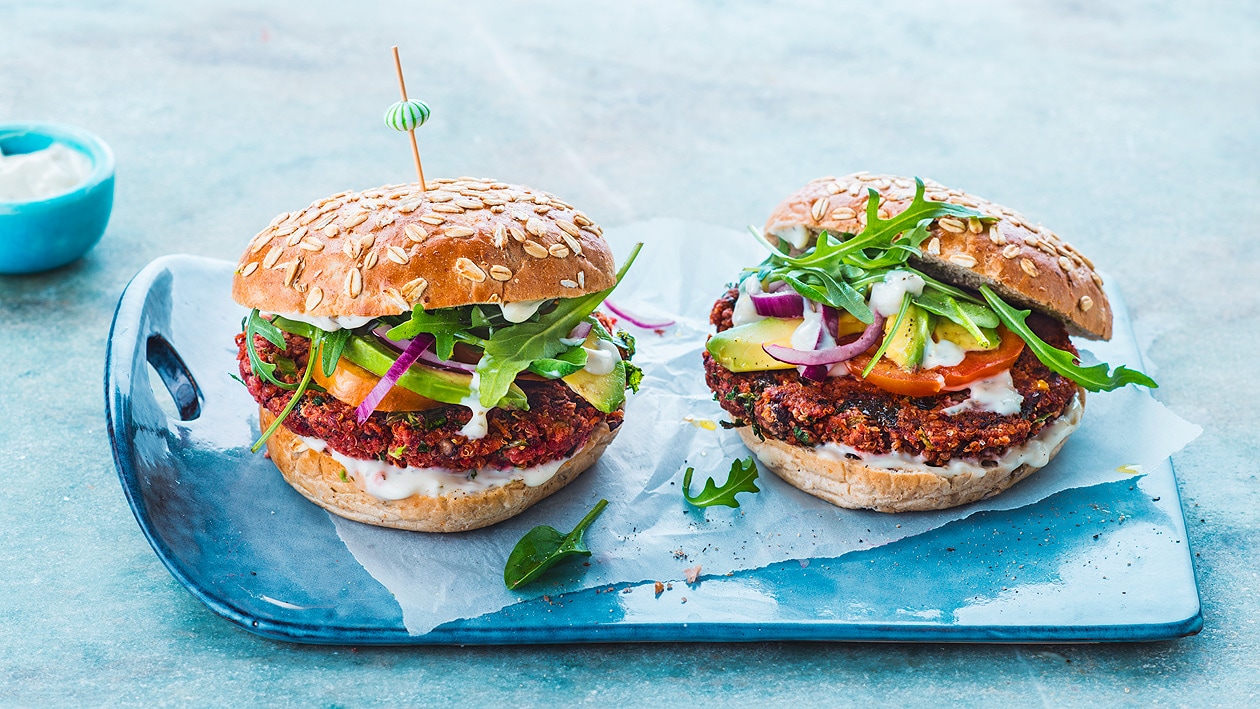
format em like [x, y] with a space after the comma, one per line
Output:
[648, 533]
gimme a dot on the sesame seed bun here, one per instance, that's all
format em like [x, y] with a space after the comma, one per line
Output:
[463, 241]
[853, 485]
[1028, 265]
[318, 477]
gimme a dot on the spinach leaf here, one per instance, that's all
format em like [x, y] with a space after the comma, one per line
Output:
[330, 351]
[543, 547]
[562, 365]
[1095, 378]
[742, 478]
[510, 350]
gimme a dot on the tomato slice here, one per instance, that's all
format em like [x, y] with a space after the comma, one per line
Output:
[978, 365]
[351, 383]
[889, 376]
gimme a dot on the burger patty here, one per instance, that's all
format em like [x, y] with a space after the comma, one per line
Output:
[557, 424]
[781, 404]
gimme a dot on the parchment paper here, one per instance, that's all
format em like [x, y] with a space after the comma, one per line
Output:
[648, 532]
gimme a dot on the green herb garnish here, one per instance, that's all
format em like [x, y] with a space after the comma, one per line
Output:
[334, 344]
[316, 342]
[634, 377]
[1094, 378]
[446, 325]
[256, 324]
[543, 547]
[742, 478]
[511, 349]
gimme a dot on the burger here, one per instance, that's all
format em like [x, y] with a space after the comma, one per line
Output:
[432, 359]
[905, 346]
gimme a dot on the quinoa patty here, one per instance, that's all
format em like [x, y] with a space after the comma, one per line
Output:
[556, 425]
[847, 410]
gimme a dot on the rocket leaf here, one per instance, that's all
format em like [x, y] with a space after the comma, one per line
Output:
[742, 478]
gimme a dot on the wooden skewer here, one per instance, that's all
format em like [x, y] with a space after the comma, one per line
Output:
[415, 149]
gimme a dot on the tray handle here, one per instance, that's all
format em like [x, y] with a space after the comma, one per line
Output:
[174, 374]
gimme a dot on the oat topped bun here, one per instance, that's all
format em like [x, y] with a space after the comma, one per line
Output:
[1027, 264]
[383, 250]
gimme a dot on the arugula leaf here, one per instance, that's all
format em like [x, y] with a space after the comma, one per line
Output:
[510, 350]
[742, 478]
[330, 352]
[258, 325]
[1094, 378]
[888, 335]
[543, 547]
[970, 316]
[444, 324]
[316, 343]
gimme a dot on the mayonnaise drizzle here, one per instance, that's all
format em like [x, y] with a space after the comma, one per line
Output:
[941, 354]
[745, 311]
[602, 359]
[330, 324]
[996, 393]
[796, 235]
[886, 297]
[476, 426]
[390, 482]
[1035, 451]
[522, 311]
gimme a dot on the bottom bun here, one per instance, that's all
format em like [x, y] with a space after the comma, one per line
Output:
[850, 484]
[318, 477]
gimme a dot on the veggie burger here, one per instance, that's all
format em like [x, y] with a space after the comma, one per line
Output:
[432, 360]
[906, 346]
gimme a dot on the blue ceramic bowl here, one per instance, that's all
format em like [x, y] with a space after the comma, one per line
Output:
[42, 234]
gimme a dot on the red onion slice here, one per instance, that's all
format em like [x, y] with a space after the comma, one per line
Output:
[404, 361]
[831, 355]
[637, 322]
[580, 331]
[785, 304]
[814, 372]
[831, 318]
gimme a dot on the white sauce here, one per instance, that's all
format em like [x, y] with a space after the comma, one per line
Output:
[390, 482]
[941, 354]
[41, 174]
[603, 359]
[1035, 451]
[996, 393]
[522, 311]
[476, 426]
[808, 334]
[796, 235]
[744, 311]
[337, 322]
[886, 297]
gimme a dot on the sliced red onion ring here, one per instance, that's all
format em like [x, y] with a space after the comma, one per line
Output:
[831, 355]
[785, 304]
[404, 361]
[427, 356]
[831, 318]
[637, 322]
[778, 286]
[814, 372]
[580, 331]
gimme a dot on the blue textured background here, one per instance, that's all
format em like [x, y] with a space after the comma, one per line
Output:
[1130, 130]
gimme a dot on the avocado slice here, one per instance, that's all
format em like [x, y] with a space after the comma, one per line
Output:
[739, 348]
[605, 392]
[957, 334]
[437, 384]
[907, 345]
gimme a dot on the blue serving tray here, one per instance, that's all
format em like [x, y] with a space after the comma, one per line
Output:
[1105, 563]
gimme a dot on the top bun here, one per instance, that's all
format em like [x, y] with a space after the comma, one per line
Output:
[381, 251]
[1029, 266]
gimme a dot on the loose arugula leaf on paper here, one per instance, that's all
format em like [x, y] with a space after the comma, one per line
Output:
[544, 546]
[742, 478]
